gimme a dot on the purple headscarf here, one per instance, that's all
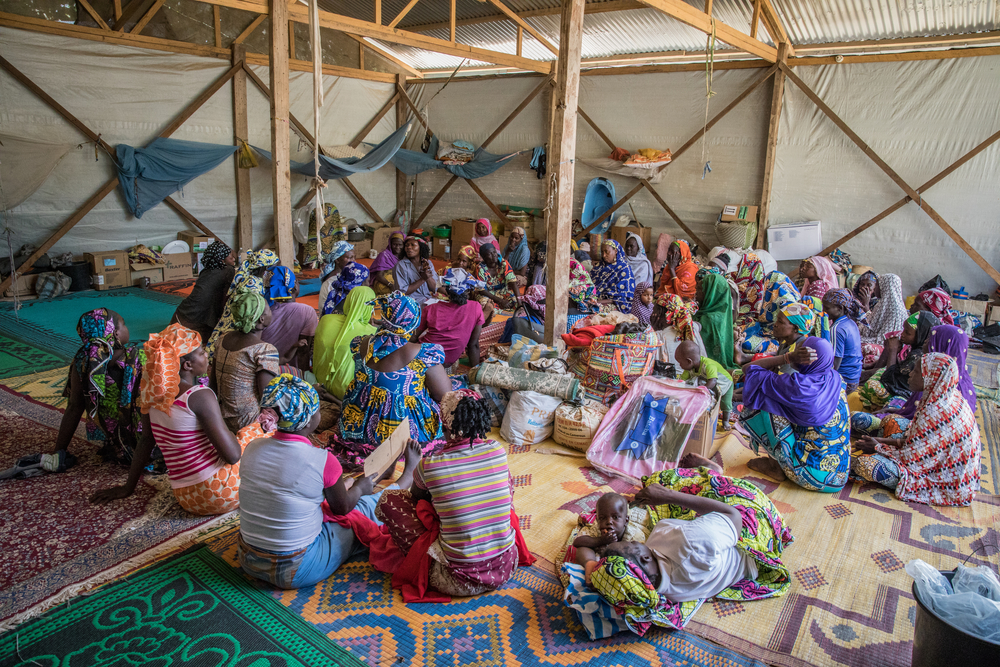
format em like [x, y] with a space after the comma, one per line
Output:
[387, 260]
[954, 342]
[809, 397]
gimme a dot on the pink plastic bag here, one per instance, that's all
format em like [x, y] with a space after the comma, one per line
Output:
[687, 405]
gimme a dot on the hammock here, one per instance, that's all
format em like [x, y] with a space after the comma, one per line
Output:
[332, 169]
[483, 162]
[151, 174]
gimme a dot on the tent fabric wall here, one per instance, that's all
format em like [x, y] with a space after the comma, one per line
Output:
[129, 95]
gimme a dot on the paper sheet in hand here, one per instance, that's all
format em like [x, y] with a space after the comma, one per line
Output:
[386, 454]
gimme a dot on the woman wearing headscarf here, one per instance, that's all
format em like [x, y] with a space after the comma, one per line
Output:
[885, 319]
[460, 508]
[250, 277]
[749, 278]
[297, 513]
[820, 275]
[582, 291]
[864, 285]
[333, 226]
[635, 254]
[642, 303]
[715, 315]
[202, 308]
[501, 283]
[341, 274]
[536, 268]
[201, 454]
[779, 291]
[484, 236]
[394, 380]
[380, 277]
[937, 461]
[613, 276]
[671, 319]
[935, 300]
[244, 363]
[679, 272]
[894, 379]
[801, 419]
[517, 253]
[103, 387]
[293, 324]
[414, 275]
[333, 362]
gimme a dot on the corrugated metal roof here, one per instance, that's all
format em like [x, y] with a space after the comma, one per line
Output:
[637, 31]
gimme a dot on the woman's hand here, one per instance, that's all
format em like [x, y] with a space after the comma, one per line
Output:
[802, 356]
[105, 496]
[655, 494]
[866, 445]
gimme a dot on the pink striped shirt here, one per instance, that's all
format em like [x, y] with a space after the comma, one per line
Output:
[189, 454]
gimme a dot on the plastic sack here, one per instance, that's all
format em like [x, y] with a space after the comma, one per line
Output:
[529, 418]
[496, 401]
[576, 424]
[980, 580]
[523, 350]
[963, 609]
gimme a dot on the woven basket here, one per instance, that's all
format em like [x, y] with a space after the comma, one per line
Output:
[737, 234]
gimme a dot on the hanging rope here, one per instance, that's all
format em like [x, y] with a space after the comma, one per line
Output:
[441, 89]
[709, 75]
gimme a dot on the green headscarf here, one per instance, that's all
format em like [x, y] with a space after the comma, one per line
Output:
[247, 307]
[333, 362]
[715, 314]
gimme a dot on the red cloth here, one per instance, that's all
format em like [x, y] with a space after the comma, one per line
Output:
[583, 337]
[524, 557]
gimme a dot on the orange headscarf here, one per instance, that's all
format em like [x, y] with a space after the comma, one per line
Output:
[161, 375]
[683, 285]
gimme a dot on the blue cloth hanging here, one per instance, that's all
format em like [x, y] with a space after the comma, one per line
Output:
[149, 175]
[482, 164]
[331, 169]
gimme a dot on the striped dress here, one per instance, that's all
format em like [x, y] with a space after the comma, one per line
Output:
[470, 487]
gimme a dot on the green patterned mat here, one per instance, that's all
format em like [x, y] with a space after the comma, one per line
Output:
[17, 357]
[192, 609]
[51, 325]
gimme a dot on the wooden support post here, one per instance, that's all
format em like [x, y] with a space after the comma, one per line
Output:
[755, 19]
[777, 94]
[291, 40]
[361, 56]
[189, 216]
[94, 15]
[520, 40]
[118, 9]
[250, 28]
[241, 132]
[451, 23]
[896, 178]
[281, 181]
[402, 14]
[401, 88]
[147, 17]
[217, 24]
[378, 12]
[401, 178]
[482, 195]
[561, 166]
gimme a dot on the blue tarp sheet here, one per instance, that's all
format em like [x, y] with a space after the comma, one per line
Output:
[149, 175]
[331, 169]
[482, 164]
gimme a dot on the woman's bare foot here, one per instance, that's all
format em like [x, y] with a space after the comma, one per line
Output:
[696, 461]
[411, 457]
[767, 466]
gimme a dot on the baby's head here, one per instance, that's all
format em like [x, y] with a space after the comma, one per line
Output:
[638, 553]
[612, 515]
[646, 296]
[688, 355]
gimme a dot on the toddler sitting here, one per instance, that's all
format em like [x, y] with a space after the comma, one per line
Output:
[709, 373]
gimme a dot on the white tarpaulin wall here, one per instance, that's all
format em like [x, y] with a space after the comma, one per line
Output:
[129, 95]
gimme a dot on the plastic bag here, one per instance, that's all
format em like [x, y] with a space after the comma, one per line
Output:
[496, 401]
[960, 607]
[529, 418]
[523, 350]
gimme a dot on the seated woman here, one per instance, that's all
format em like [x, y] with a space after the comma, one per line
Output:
[455, 325]
[937, 302]
[295, 504]
[582, 291]
[865, 289]
[333, 362]
[844, 310]
[712, 537]
[380, 277]
[414, 275]
[201, 454]
[901, 354]
[103, 385]
[779, 291]
[251, 276]
[635, 255]
[820, 276]
[467, 486]
[536, 268]
[715, 315]
[671, 319]
[884, 321]
[518, 254]
[244, 363]
[341, 274]
[800, 419]
[484, 236]
[501, 283]
[202, 309]
[678, 276]
[937, 461]
[394, 379]
[293, 324]
[749, 279]
[613, 277]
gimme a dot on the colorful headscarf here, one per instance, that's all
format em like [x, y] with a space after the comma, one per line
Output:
[461, 281]
[938, 302]
[161, 374]
[639, 309]
[293, 399]
[625, 586]
[340, 248]
[471, 254]
[387, 260]
[845, 299]
[581, 288]
[821, 325]
[351, 276]
[97, 331]
[809, 397]
[715, 314]
[247, 308]
[478, 242]
[282, 284]
[615, 281]
[826, 280]
[889, 314]
[400, 318]
[243, 281]
[950, 340]
[450, 401]
[749, 280]
[779, 291]
[215, 255]
[686, 274]
[677, 314]
[802, 317]
[534, 296]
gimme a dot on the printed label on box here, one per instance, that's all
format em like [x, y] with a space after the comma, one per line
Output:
[729, 210]
[110, 261]
[100, 279]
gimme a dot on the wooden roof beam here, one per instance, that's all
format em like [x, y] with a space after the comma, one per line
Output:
[590, 8]
[774, 25]
[523, 25]
[413, 71]
[699, 20]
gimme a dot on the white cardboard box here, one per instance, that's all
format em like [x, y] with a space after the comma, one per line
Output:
[795, 241]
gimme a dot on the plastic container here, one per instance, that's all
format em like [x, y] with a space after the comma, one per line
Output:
[356, 235]
[79, 274]
[441, 232]
[936, 643]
